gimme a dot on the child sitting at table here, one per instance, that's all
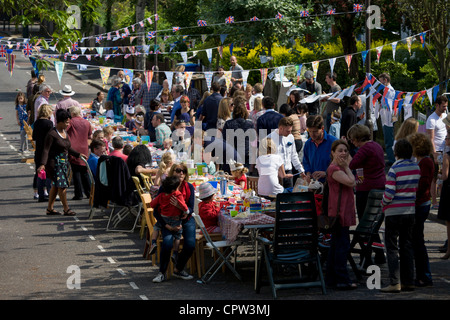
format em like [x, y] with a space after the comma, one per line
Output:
[109, 110]
[167, 146]
[108, 132]
[167, 160]
[238, 172]
[170, 214]
[208, 209]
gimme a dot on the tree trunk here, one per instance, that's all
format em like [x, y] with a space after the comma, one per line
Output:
[344, 27]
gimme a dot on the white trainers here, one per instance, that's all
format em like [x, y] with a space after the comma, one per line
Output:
[159, 278]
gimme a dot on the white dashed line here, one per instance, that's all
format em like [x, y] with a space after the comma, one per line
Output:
[92, 238]
[84, 228]
[111, 260]
[121, 272]
[143, 297]
[134, 286]
[101, 248]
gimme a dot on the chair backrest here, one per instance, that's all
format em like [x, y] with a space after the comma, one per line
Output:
[252, 183]
[147, 181]
[295, 224]
[146, 198]
[373, 214]
[92, 180]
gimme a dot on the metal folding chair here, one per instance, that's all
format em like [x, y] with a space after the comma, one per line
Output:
[223, 257]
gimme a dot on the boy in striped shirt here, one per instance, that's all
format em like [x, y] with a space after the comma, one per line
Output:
[399, 208]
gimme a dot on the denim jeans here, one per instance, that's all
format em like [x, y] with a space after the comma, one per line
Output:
[389, 142]
[81, 181]
[422, 263]
[398, 234]
[41, 184]
[336, 269]
[188, 246]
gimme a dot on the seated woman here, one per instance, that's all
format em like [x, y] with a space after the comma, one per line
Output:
[185, 109]
[270, 167]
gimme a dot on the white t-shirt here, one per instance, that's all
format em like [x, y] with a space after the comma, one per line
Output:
[268, 166]
[434, 122]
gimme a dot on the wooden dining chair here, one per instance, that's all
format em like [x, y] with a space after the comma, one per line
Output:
[252, 183]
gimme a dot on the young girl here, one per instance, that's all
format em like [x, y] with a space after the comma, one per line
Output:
[171, 214]
[238, 172]
[21, 116]
[98, 135]
[208, 209]
[109, 110]
[167, 160]
[335, 128]
[108, 133]
[341, 182]
[302, 110]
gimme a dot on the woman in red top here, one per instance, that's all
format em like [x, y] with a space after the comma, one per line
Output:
[340, 180]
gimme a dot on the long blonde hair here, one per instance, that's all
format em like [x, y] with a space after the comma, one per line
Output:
[166, 162]
[408, 127]
[224, 109]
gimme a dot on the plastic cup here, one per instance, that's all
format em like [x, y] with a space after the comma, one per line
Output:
[233, 213]
[360, 174]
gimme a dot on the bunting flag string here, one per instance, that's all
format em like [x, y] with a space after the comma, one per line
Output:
[104, 73]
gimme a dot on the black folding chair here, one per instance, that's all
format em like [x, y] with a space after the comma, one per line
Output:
[294, 243]
[366, 237]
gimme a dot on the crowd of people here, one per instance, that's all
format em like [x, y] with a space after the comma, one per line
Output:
[243, 132]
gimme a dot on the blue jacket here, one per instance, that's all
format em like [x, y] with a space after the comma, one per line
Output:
[317, 158]
[211, 109]
[268, 121]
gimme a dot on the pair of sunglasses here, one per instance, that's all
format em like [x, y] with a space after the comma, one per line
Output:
[178, 170]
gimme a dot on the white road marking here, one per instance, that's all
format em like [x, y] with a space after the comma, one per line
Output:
[101, 248]
[143, 297]
[92, 238]
[121, 271]
[134, 286]
[111, 260]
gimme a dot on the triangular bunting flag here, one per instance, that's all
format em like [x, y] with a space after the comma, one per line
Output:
[223, 37]
[379, 49]
[227, 78]
[169, 76]
[315, 66]
[332, 62]
[408, 42]
[104, 73]
[394, 47]
[364, 55]
[209, 54]
[208, 77]
[231, 49]
[148, 78]
[244, 77]
[298, 68]
[188, 78]
[348, 59]
[263, 75]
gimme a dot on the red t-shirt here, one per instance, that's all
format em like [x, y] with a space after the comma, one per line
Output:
[209, 213]
[166, 208]
[242, 178]
[118, 153]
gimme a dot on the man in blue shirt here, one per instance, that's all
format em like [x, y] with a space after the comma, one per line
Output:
[317, 149]
[98, 148]
[267, 122]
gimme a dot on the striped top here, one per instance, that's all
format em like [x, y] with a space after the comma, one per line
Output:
[402, 182]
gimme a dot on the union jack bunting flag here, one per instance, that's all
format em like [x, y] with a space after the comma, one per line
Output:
[75, 46]
[156, 17]
[88, 56]
[279, 16]
[175, 29]
[255, 18]
[27, 50]
[98, 39]
[66, 55]
[357, 7]
[151, 35]
[2, 51]
[331, 11]
[74, 57]
[230, 19]
[127, 55]
[108, 37]
[127, 32]
[141, 23]
[304, 13]
[201, 23]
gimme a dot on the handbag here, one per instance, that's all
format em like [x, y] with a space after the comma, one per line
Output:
[325, 223]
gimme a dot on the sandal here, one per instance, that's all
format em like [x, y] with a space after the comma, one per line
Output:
[53, 213]
[69, 212]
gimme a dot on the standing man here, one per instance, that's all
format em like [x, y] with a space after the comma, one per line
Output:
[388, 118]
[30, 84]
[162, 130]
[317, 149]
[177, 92]
[312, 86]
[332, 104]
[149, 92]
[236, 71]
[267, 122]
[349, 118]
[285, 142]
[66, 102]
[125, 89]
[79, 133]
[437, 131]
[211, 108]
